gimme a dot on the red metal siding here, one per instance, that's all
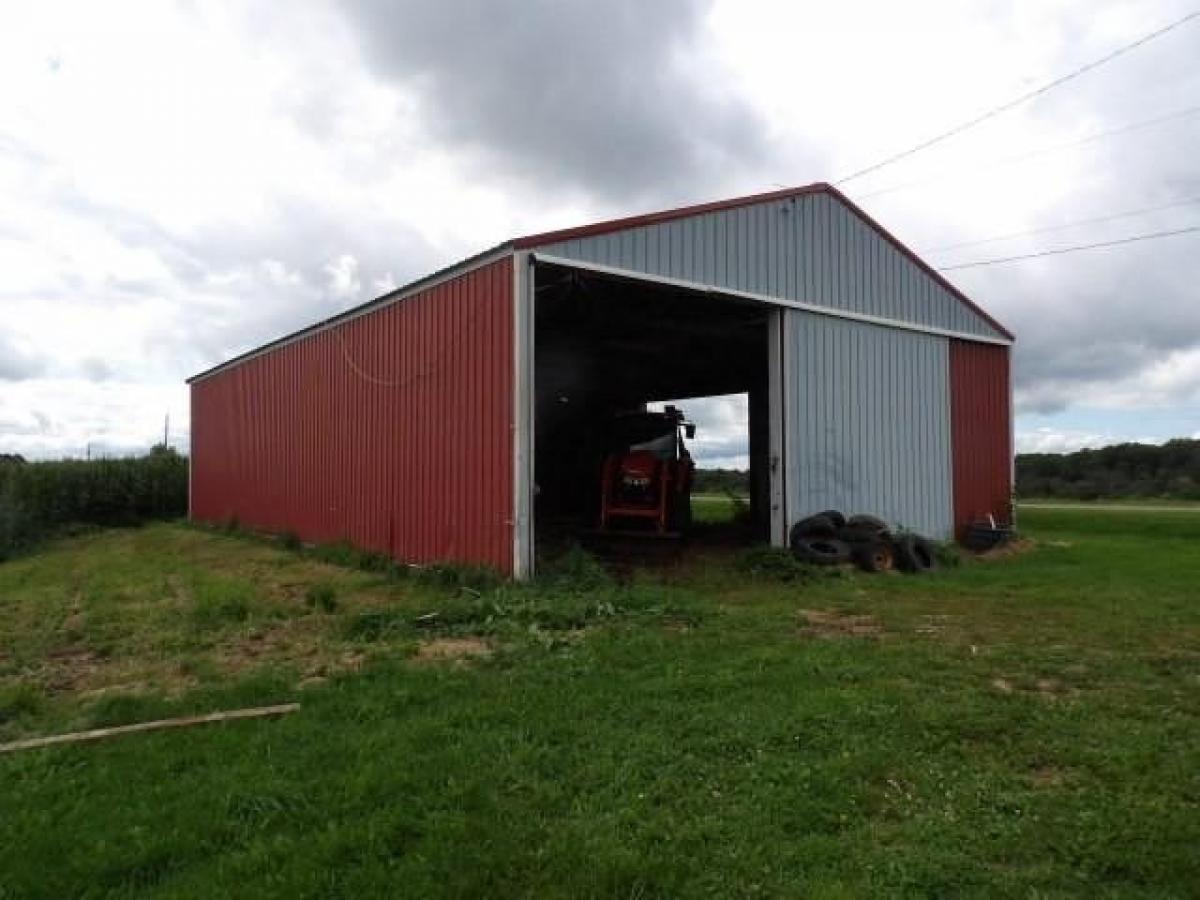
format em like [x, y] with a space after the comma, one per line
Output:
[981, 428]
[392, 430]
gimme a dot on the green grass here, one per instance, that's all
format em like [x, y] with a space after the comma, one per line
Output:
[1026, 726]
[713, 508]
[1130, 503]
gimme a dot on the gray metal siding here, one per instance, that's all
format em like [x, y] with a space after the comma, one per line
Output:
[868, 422]
[810, 249]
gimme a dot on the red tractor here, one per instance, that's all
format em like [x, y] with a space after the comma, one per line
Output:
[646, 476]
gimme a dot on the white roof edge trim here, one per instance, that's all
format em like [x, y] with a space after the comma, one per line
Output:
[602, 269]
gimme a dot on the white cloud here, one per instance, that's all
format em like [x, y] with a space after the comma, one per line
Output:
[60, 417]
[1053, 440]
[344, 282]
[722, 430]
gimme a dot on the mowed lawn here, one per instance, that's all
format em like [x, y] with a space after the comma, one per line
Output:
[1023, 726]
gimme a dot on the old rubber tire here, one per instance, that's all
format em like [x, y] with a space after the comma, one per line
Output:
[838, 520]
[864, 522]
[874, 555]
[823, 551]
[813, 526]
[915, 554]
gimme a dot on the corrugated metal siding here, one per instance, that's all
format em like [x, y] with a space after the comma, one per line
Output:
[868, 422]
[810, 249]
[392, 430]
[981, 417]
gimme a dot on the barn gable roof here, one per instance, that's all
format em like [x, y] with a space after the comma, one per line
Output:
[561, 237]
[566, 236]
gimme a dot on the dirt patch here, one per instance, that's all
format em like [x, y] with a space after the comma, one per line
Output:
[1053, 689]
[1049, 777]
[934, 625]
[458, 650]
[1018, 547]
[70, 668]
[829, 623]
[1050, 689]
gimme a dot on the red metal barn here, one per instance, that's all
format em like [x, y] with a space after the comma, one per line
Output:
[445, 420]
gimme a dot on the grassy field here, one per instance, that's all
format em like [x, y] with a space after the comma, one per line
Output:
[713, 507]
[1023, 726]
[1116, 503]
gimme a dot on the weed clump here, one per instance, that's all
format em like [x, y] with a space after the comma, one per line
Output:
[947, 554]
[322, 596]
[380, 625]
[776, 564]
[473, 579]
[576, 569]
[571, 592]
[221, 603]
[18, 701]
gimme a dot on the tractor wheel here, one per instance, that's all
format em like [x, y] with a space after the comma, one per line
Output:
[822, 551]
[915, 554]
[874, 556]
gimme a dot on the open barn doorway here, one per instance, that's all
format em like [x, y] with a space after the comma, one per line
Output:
[617, 361]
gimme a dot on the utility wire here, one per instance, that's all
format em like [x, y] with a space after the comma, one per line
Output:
[1032, 154]
[1078, 222]
[1061, 250]
[1017, 101]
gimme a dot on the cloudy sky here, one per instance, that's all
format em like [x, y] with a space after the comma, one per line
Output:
[180, 182]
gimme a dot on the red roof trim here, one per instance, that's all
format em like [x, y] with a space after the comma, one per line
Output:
[667, 215]
[820, 187]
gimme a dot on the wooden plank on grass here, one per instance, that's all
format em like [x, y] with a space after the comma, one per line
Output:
[97, 734]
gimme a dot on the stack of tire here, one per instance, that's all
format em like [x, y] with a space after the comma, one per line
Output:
[830, 538]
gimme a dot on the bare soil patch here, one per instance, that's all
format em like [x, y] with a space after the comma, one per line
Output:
[1050, 689]
[456, 650]
[934, 625]
[1049, 777]
[69, 668]
[830, 623]
[1018, 547]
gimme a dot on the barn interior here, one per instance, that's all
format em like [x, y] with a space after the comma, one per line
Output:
[607, 345]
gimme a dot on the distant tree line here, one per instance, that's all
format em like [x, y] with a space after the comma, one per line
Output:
[38, 499]
[721, 481]
[1170, 471]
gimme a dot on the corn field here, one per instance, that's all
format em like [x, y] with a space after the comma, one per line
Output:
[38, 499]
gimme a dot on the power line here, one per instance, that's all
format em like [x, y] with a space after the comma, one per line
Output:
[1032, 154]
[1017, 101]
[1078, 222]
[1128, 240]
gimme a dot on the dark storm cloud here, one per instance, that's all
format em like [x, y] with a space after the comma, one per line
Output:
[1100, 317]
[612, 98]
